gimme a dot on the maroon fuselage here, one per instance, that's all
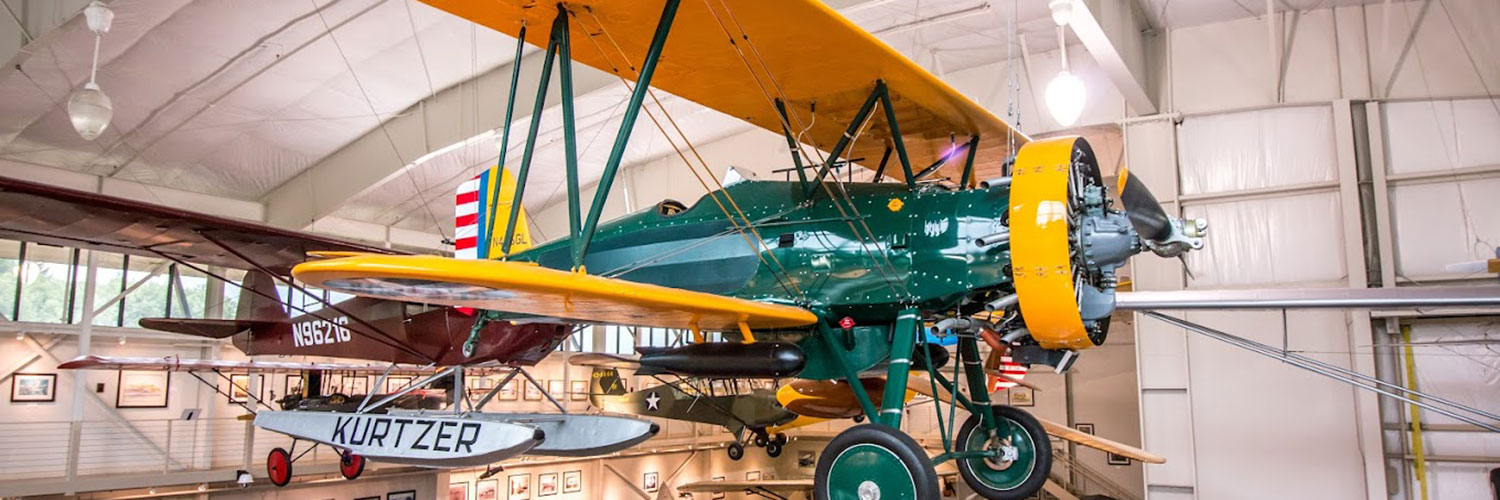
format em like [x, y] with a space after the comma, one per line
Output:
[424, 334]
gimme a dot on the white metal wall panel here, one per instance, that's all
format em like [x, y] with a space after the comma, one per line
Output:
[1251, 412]
[1249, 241]
[1444, 223]
[1257, 149]
[1426, 136]
[1167, 422]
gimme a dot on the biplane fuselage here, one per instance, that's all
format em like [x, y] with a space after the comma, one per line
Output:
[923, 248]
[438, 332]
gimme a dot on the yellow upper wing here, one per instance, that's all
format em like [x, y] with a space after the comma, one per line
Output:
[799, 49]
[526, 288]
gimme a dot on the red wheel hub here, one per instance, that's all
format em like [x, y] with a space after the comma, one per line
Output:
[279, 467]
[351, 465]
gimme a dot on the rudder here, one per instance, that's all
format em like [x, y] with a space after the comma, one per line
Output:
[259, 300]
[481, 216]
[605, 382]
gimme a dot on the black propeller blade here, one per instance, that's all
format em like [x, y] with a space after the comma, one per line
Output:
[1146, 214]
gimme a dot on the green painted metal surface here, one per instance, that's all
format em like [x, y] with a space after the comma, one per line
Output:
[863, 463]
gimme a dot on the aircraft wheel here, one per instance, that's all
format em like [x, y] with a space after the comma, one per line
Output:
[351, 465]
[773, 449]
[279, 467]
[780, 439]
[761, 441]
[736, 451]
[1019, 477]
[859, 419]
[874, 461]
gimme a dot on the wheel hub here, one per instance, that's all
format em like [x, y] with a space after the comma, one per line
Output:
[868, 490]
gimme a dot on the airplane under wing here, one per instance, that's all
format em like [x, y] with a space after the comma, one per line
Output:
[175, 363]
[53, 215]
[526, 288]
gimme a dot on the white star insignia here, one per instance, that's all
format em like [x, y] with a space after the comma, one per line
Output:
[651, 401]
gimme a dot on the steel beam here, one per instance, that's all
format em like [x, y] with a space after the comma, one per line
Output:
[1112, 32]
[1291, 298]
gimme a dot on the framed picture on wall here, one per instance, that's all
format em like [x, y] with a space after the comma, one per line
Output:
[752, 475]
[718, 494]
[555, 389]
[488, 489]
[546, 484]
[1022, 396]
[401, 495]
[458, 491]
[1117, 459]
[142, 389]
[376, 497]
[520, 487]
[293, 385]
[395, 383]
[579, 390]
[651, 482]
[355, 385]
[33, 388]
[332, 382]
[508, 391]
[239, 388]
[1085, 428]
[573, 481]
[533, 393]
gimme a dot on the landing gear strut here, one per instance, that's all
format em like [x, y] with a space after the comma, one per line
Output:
[1024, 455]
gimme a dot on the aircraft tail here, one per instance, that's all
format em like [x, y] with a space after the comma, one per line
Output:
[605, 382]
[253, 310]
[481, 216]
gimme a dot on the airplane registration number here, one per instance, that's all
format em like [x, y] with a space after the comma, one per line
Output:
[319, 332]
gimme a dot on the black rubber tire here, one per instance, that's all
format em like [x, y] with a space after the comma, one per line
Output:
[773, 449]
[736, 451]
[859, 419]
[911, 455]
[780, 439]
[761, 441]
[1040, 469]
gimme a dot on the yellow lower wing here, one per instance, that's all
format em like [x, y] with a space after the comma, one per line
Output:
[526, 288]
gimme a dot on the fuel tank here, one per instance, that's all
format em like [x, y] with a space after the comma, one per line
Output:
[831, 399]
[724, 359]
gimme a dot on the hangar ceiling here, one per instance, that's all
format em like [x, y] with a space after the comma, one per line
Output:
[237, 99]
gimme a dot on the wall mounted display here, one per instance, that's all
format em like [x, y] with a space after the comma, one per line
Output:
[401, 495]
[293, 385]
[332, 382]
[458, 491]
[1116, 459]
[1022, 396]
[239, 388]
[33, 388]
[488, 489]
[546, 484]
[807, 458]
[579, 390]
[395, 383]
[651, 482]
[142, 389]
[508, 391]
[533, 393]
[376, 497]
[353, 385]
[752, 475]
[1085, 428]
[555, 389]
[520, 487]
[719, 494]
[573, 481]
[479, 383]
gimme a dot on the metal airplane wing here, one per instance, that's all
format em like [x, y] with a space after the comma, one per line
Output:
[54, 215]
[526, 288]
[923, 386]
[175, 363]
[1292, 298]
[768, 485]
[736, 55]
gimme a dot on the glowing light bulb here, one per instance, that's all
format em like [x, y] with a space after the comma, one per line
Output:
[1065, 98]
[90, 111]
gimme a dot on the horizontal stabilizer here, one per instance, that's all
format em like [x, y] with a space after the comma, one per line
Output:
[599, 360]
[210, 328]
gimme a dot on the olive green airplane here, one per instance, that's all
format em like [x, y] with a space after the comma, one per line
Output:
[734, 404]
[831, 279]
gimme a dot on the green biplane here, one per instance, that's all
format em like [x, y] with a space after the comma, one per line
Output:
[847, 272]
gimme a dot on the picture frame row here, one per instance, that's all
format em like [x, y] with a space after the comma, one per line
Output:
[518, 486]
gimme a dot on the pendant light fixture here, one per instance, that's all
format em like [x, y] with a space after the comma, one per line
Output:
[1066, 94]
[88, 108]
